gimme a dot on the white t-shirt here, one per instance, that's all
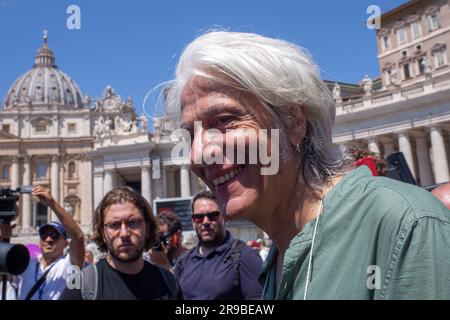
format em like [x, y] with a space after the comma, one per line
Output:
[10, 289]
[263, 253]
[53, 285]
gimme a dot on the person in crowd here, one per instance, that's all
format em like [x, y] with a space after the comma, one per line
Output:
[169, 246]
[338, 231]
[123, 227]
[442, 192]
[46, 275]
[220, 267]
[263, 249]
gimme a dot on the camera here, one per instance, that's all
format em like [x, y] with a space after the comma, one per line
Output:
[8, 202]
[162, 239]
[14, 258]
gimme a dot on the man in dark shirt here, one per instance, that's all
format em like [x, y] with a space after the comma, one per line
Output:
[208, 272]
[123, 227]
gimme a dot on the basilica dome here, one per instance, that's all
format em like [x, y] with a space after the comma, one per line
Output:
[44, 85]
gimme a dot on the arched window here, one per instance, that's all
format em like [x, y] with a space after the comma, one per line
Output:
[5, 172]
[42, 170]
[41, 126]
[72, 170]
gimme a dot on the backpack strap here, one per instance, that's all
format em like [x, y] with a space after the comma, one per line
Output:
[89, 282]
[235, 255]
[39, 282]
[170, 282]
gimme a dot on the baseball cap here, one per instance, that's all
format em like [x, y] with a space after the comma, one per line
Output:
[55, 225]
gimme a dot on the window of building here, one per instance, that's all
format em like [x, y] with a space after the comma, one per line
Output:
[401, 35]
[5, 172]
[433, 21]
[41, 126]
[42, 170]
[406, 71]
[415, 30]
[386, 43]
[440, 58]
[72, 170]
[41, 214]
[421, 66]
[387, 76]
[72, 127]
[6, 128]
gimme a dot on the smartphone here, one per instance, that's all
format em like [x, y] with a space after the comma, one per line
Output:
[26, 189]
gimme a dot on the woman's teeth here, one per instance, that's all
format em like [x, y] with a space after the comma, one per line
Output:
[227, 176]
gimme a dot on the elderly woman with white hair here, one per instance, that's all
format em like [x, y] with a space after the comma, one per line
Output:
[338, 232]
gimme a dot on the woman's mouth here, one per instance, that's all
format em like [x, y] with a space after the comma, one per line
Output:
[228, 176]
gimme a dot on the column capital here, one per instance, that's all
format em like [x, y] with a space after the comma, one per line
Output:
[403, 133]
[55, 157]
[14, 158]
[435, 127]
[27, 158]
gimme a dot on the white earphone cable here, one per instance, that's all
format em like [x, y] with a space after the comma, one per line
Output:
[308, 274]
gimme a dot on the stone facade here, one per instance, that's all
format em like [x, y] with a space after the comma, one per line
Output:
[410, 110]
[81, 148]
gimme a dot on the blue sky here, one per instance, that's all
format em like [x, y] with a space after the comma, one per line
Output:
[134, 45]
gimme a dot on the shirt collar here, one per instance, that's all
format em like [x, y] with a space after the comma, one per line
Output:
[220, 249]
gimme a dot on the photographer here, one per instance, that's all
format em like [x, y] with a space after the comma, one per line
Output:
[168, 248]
[45, 278]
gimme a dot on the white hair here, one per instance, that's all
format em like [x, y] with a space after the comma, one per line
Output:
[282, 75]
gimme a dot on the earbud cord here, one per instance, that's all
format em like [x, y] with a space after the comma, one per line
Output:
[308, 274]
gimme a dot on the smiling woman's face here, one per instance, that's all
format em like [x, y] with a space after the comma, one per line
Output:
[241, 190]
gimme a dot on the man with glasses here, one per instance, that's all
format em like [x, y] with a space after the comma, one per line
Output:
[220, 267]
[45, 278]
[123, 227]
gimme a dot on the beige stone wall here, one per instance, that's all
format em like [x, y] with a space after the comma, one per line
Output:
[390, 23]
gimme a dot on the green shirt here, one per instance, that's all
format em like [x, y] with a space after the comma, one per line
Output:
[377, 238]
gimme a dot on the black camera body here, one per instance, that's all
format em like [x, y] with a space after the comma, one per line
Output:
[8, 205]
[14, 258]
[8, 202]
[162, 239]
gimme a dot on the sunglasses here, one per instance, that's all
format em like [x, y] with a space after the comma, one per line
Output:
[53, 235]
[212, 216]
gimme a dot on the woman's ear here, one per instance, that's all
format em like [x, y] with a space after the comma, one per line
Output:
[296, 124]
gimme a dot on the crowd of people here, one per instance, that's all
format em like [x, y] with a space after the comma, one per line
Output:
[331, 223]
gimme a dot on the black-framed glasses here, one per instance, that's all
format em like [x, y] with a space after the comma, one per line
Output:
[131, 225]
[52, 234]
[212, 216]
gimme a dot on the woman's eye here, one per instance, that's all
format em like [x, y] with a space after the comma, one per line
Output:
[220, 121]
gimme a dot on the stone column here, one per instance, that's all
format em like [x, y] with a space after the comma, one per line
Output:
[108, 181]
[146, 183]
[440, 161]
[98, 188]
[54, 183]
[164, 193]
[15, 182]
[26, 198]
[86, 195]
[185, 181]
[423, 161]
[373, 146]
[404, 145]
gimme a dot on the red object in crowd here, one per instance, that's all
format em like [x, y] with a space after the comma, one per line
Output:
[368, 161]
[254, 244]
